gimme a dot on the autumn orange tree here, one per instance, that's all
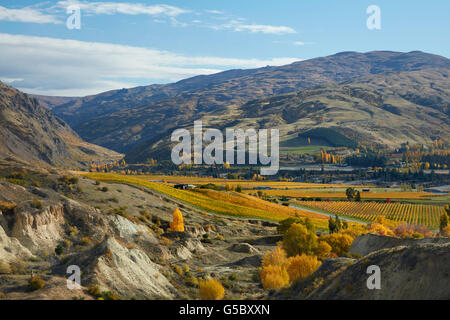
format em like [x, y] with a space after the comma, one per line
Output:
[273, 273]
[177, 223]
[301, 266]
[299, 239]
[340, 243]
[278, 271]
[211, 289]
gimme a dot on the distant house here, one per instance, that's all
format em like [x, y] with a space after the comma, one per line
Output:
[184, 186]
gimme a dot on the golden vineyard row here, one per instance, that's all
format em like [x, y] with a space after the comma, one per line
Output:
[428, 215]
[341, 195]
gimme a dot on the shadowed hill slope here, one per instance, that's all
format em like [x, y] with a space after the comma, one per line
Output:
[31, 133]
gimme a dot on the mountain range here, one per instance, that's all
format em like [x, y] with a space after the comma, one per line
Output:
[379, 97]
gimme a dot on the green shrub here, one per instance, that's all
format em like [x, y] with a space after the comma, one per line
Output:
[109, 295]
[417, 235]
[94, 290]
[232, 277]
[59, 250]
[85, 241]
[192, 281]
[18, 267]
[68, 180]
[37, 204]
[19, 182]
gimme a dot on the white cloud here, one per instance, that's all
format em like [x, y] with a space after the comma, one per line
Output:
[111, 8]
[57, 14]
[258, 28]
[238, 25]
[214, 11]
[26, 14]
[69, 67]
[299, 43]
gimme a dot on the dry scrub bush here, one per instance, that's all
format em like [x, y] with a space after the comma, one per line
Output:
[85, 241]
[36, 283]
[18, 267]
[5, 268]
[446, 231]
[211, 289]
[166, 241]
[379, 229]
[406, 230]
[6, 206]
[178, 270]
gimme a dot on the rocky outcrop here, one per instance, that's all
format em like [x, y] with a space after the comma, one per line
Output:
[371, 242]
[248, 262]
[125, 269]
[39, 230]
[244, 248]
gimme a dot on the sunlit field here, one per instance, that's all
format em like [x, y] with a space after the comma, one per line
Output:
[245, 184]
[369, 211]
[221, 202]
[341, 194]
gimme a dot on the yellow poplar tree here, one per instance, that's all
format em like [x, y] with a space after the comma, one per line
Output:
[177, 222]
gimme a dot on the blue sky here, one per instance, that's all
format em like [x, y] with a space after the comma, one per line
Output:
[129, 43]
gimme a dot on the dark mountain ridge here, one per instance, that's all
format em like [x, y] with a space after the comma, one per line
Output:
[126, 119]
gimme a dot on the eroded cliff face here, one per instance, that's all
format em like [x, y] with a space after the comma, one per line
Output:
[11, 248]
[129, 271]
[119, 237]
[37, 230]
[122, 255]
